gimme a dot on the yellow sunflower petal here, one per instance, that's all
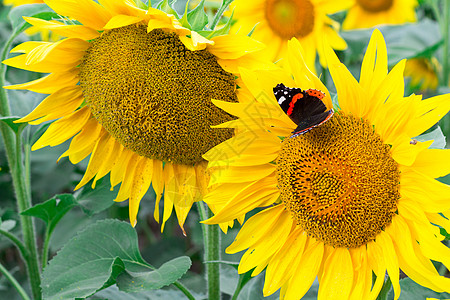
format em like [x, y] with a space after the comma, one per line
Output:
[273, 239]
[433, 162]
[243, 174]
[374, 65]
[256, 228]
[336, 281]
[304, 77]
[429, 112]
[102, 149]
[141, 183]
[122, 21]
[127, 181]
[279, 269]
[376, 262]
[73, 31]
[108, 162]
[88, 12]
[63, 129]
[234, 46]
[390, 258]
[409, 260]
[83, 143]
[49, 84]
[57, 105]
[432, 195]
[158, 185]
[305, 271]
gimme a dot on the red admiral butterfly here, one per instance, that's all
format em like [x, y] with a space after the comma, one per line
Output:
[304, 107]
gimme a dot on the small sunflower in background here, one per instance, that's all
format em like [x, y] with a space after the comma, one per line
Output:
[21, 2]
[132, 87]
[369, 13]
[45, 34]
[275, 22]
[423, 73]
[350, 194]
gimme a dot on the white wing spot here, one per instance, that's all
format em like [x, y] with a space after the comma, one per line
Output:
[281, 99]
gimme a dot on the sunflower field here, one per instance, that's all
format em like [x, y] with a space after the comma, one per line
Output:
[220, 149]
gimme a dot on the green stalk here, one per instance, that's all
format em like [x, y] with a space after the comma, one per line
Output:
[13, 149]
[44, 254]
[18, 243]
[184, 290]
[211, 240]
[14, 282]
[445, 26]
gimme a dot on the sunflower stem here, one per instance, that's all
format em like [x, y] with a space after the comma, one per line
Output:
[211, 240]
[14, 282]
[18, 243]
[445, 32]
[44, 253]
[13, 148]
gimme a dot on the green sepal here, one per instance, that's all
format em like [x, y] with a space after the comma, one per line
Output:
[141, 4]
[221, 31]
[197, 17]
[184, 19]
[16, 127]
[166, 7]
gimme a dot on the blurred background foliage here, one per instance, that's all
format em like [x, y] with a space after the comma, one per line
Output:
[421, 40]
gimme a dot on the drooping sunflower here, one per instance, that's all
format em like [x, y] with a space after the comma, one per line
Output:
[133, 89]
[275, 22]
[423, 73]
[369, 13]
[353, 196]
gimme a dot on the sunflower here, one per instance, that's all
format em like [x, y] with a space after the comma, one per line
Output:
[423, 73]
[21, 2]
[45, 34]
[369, 13]
[276, 21]
[133, 89]
[352, 196]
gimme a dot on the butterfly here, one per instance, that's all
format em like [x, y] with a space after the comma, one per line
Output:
[304, 107]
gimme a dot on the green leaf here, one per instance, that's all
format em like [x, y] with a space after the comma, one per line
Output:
[414, 40]
[52, 210]
[93, 201]
[437, 135]
[40, 11]
[140, 278]
[445, 233]
[113, 293]
[16, 127]
[413, 291]
[166, 7]
[197, 17]
[96, 257]
[420, 39]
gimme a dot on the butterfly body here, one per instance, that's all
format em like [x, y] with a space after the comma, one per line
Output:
[304, 107]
